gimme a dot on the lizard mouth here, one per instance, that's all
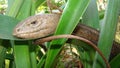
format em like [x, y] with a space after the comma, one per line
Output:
[35, 34]
[24, 35]
[27, 35]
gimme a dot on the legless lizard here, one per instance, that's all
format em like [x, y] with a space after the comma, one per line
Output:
[45, 24]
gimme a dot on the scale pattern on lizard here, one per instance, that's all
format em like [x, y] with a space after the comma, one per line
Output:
[42, 25]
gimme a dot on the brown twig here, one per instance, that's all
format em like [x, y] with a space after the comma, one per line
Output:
[73, 37]
[50, 5]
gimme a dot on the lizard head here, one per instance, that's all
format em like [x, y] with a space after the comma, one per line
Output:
[36, 26]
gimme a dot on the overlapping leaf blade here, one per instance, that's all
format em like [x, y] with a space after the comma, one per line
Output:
[71, 15]
[107, 32]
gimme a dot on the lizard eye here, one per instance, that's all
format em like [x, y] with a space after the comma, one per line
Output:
[34, 22]
[18, 30]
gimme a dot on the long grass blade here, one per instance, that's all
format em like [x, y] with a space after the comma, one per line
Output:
[115, 62]
[24, 11]
[22, 58]
[69, 19]
[90, 16]
[14, 7]
[107, 32]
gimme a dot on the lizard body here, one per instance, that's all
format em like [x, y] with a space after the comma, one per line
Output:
[42, 25]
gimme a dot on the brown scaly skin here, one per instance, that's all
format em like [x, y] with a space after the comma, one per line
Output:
[93, 35]
[39, 29]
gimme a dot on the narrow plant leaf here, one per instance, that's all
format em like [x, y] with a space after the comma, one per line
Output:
[87, 58]
[22, 58]
[115, 62]
[24, 11]
[2, 54]
[32, 49]
[14, 7]
[33, 59]
[107, 32]
[71, 15]
[41, 62]
[33, 8]
[90, 16]
[35, 5]
[6, 27]
[38, 3]
[10, 3]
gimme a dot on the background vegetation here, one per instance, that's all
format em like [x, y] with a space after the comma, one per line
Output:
[18, 53]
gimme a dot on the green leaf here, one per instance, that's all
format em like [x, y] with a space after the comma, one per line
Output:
[24, 11]
[33, 59]
[115, 62]
[33, 56]
[41, 62]
[6, 27]
[90, 16]
[107, 32]
[13, 7]
[22, 58]
[38, 3]
[2, 54]
[71, 15]
[35, 5]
